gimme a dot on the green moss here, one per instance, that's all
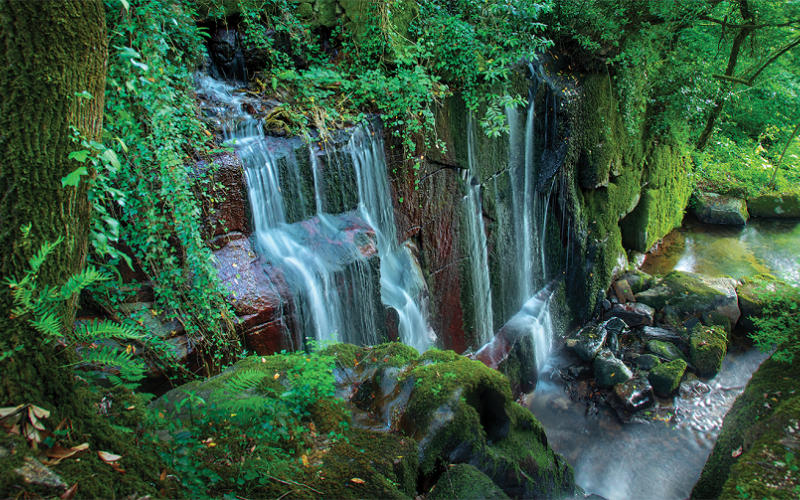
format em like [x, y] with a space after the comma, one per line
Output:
[764, 469]
[666, 377]
[393, 354]
[394, 457]
[774, 379]
[665, 350]
[681, 290]
[784, 205]
[708, 346]
[716, 318]
[435, 356]
[347, 355]
[465, 482]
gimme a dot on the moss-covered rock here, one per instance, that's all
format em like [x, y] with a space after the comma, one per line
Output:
[465, 481]
[751, 302]
[689, 294]
[708, 345]
[781, 205]
[717, 209]
[769, 467]
[773, 384]
[665, 350]
[587, 342]
[666, 377]
[715, 318]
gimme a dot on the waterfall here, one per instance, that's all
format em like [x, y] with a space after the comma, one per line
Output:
[401, 279]
[328, 259]
[478, 248]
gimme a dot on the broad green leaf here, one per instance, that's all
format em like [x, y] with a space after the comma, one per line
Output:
[74, 178]
[79, 155]
[126, 5]
[111, 157]
[140, 64]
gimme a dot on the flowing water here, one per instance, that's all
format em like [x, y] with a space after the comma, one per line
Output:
[659, 458]
[328, 258]
[762, 246]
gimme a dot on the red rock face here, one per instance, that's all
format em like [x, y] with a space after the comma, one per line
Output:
[259, 295]
[230, 214]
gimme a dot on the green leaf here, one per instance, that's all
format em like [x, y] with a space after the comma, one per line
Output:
[110, 156]
[79, 155]
[83, 95]
[126, 5]
[74, 178]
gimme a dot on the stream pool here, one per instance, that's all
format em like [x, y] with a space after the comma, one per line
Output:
[661, 453]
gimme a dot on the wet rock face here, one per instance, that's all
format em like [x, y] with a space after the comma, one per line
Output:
[717, 209]
[230, 214]
[691, 294]
[635, 394]
[609, 371]
[588, 342]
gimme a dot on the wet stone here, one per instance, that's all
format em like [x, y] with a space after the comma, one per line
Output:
[647, 362]
[609, 371]
[662, 334]
[690, 389]
[634, 314]
[717, 209]
[635, 394]
[587, 342]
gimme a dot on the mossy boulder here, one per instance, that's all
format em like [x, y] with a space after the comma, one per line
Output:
[715, 318]
[647, 362]
[587, 342]
[690, 294]
[665, 350]
[779, 205]
[609, 371]
[465, 482]
[708, 345]
[751, 302]
[638, 281]
[666, 377]
[774, 383]
[769, 466]
[717, 209]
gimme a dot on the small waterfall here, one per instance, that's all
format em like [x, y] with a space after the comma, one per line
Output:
[400, 274]
[328, 259]
[478, 249]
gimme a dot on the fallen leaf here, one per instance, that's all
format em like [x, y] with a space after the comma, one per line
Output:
[70, 493]
[60, 453]
[163, 476]
[277, 375]
[735, 453]
[108, 457]
[304, 458]
[39, 412]
[357, 480]
[130, 407]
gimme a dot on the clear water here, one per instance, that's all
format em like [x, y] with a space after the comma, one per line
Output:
[660, 458]
[762, 246]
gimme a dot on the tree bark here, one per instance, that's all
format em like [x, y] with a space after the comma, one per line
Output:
[49, 51]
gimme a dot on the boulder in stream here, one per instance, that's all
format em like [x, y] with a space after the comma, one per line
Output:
[708, 346]
[666, 377]
[635, 394]
[587, 342]
[778, 205]
[465, 482]
[713, 208]
[689, 294]
[665, 350]
[647, 362]
[609, 371]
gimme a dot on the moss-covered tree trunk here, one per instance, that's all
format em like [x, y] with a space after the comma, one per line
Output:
[49, 51]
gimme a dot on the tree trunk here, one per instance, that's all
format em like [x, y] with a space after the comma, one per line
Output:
[49, 51]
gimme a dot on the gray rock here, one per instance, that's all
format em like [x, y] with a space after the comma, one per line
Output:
[587, 342]
[652, 332]
[633, 314]
[717, 209]
[609, 371]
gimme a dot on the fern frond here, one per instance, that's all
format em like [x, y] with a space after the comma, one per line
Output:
[119, 382]
[49, 324]
[81, 280]
[132, 370]
[46, 249]
[101, 330]
[119, 428]
[245, 381]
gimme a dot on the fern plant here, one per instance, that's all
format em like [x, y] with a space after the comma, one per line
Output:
[41, 307]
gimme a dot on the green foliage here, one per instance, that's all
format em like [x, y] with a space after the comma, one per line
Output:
[779, 323]
[43, 307]
[147, 189]
[251, 430]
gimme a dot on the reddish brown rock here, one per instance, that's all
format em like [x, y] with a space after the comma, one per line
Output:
[228, 206]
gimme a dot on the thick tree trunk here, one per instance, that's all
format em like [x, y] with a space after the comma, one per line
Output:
[49, 51]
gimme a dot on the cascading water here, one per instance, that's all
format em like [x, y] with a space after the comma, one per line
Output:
[327, 258]
[478, 248]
